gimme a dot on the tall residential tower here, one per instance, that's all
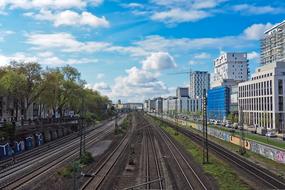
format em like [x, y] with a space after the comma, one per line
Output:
[273, 44]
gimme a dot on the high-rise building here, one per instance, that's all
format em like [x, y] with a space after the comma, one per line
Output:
[230, 69]
[182, 92]
[261, 99]
[199, 81]
[273, 44]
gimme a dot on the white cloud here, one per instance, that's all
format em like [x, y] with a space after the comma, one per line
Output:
[256, 10]
[133, 5]
[191, 62]
[137, 85]
[101, 87]
[253, 55]
[5, 33]
[48, 4]
[178, 15]
[70, 18]
[158, 61]
[256, 31]
[64, 42]
[19, 56]
[202, 55]
[100, 76]
[56, 61]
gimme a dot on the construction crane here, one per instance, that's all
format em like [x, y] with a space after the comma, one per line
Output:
[183, 73]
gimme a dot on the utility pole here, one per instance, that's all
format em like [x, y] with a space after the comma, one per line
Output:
[242, 139]
[205, 129]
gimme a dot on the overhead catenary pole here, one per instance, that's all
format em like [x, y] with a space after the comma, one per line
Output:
[242, 150]
[205, 129]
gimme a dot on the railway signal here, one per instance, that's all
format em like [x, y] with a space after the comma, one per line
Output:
[205, 129]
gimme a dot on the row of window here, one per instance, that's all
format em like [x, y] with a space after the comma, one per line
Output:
[262, 76]
[257, 104]
[256, 89]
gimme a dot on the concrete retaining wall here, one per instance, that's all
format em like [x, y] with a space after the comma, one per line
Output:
[275, 154]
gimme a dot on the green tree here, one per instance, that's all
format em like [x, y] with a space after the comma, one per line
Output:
[24, 82]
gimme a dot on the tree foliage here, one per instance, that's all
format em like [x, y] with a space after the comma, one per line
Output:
[56, 89]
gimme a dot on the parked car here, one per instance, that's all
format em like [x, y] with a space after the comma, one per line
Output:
[270, 134]
[235, 125]
[229, 125]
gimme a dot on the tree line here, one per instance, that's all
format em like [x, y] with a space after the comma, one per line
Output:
[52, 89]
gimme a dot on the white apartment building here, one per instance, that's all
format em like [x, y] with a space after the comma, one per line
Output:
[200, 80]
[262, 98]
[273, 44]
[172, 105]
[181, 105]
[165, 105]
[229, 69]
[158, 104]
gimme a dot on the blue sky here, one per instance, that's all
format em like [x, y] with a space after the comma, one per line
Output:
[126, 49]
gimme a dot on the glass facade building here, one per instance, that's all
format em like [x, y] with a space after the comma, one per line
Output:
[218, 103]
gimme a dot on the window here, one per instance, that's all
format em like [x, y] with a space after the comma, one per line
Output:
[280, 104]
[280, 87]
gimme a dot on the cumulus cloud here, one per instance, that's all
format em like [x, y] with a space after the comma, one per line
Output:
[256, 10]
[70, 18]
[158, 61]
[137, 85]
[256, 31]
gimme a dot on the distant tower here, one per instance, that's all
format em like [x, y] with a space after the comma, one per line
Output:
[200, 80]
[272, 44]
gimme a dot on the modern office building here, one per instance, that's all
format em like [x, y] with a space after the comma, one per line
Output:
[165, 105]
[158, 104]
[273, 44]
[218, 103]
[183, 104]
[262, 98]
[172, 105]
[230, 69]
[182, 92]
[199, 81]
[195, 105]
[151, 105]
[145, 105]
[234, 100]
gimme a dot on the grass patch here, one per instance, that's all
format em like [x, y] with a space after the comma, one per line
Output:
[69, 170]
[269, 164]
[123, 127]
[221, 171]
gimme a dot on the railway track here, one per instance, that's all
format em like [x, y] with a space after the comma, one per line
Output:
[40, 167]
[153, 167]
[191, 178]
[7, 164]
[102, 172]
[259, 173]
